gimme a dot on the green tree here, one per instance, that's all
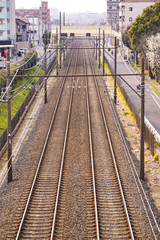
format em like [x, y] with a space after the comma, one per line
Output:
[145, 25]
[126, 39]
[142, 35]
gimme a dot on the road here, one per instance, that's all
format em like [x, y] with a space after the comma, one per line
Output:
[152, 101]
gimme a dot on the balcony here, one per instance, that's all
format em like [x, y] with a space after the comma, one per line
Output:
[2, 15]
[8, 26]
[2, 27]
[8, 4]
[112, 3]
[8, 15]
[2, 3]
[113, 11]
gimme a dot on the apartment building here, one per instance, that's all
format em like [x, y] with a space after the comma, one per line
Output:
[113, 13]
[45, 15]
[41, 16]
[130, 9]
[7, 20]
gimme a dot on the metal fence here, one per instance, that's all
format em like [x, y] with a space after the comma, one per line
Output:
[22, 110]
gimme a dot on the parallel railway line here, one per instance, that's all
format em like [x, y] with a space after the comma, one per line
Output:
[77, 191]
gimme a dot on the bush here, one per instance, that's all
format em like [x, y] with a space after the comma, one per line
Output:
[29, 63]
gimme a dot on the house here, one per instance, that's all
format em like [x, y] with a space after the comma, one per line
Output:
[21, 29]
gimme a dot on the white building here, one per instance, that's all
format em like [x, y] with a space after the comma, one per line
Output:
[7, 20]
[113, 13]
[130, 9]
[35, 32]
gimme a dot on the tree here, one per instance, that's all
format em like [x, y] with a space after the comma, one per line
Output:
[125, 38]
[152, 52]
[144, 34]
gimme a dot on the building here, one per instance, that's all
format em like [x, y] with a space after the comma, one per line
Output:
[21, 29]
[45, 16]
[113, 13]
[7, 20]
[39, 18]
[130, 9]
[35, 30]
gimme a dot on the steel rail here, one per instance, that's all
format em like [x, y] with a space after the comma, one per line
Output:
[63, 155]
[113, 154]
[42, 153]
[91, 153]
[133, 170]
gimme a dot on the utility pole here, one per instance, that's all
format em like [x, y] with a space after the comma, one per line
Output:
[60, 37]
[99, 48]
[64, 20]
[103, 49]
[142, 121]
[115, 72]
[9, 129]
[96, 48]
[45, 68]
[57, 49]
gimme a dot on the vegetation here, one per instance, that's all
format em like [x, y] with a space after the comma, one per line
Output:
[126, 39]
[18, 100]
[145, 36]
[28, 61]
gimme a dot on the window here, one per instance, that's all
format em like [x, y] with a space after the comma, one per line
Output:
[130, 19]
[110, 7]
[8, 31]
[8, 20]
[8, 9]
[0, 9]
[130, 9]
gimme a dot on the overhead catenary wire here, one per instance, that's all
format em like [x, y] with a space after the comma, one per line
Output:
[9, 85]
[18, 67]
[25, 84]
[24, 88]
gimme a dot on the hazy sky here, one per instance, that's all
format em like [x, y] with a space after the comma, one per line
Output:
[67, 5]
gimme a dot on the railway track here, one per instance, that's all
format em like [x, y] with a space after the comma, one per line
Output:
[77, 191]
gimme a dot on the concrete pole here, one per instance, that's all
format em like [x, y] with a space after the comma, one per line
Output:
[9, 129]
[96, 48]
[45, 69]
[57, 49]
[99, 48]
[60, 23]
[64, 19]
[103, 49]
[142, 122]
[115, 72]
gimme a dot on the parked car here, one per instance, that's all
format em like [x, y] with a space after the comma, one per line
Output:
[22, 51]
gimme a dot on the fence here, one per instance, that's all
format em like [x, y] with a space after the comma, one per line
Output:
[148, 135]
[22, 110]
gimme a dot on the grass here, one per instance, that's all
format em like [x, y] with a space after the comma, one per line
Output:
[120, 96]
[18, 100]
[137, 68]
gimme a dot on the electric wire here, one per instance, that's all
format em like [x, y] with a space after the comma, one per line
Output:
[9, 85]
